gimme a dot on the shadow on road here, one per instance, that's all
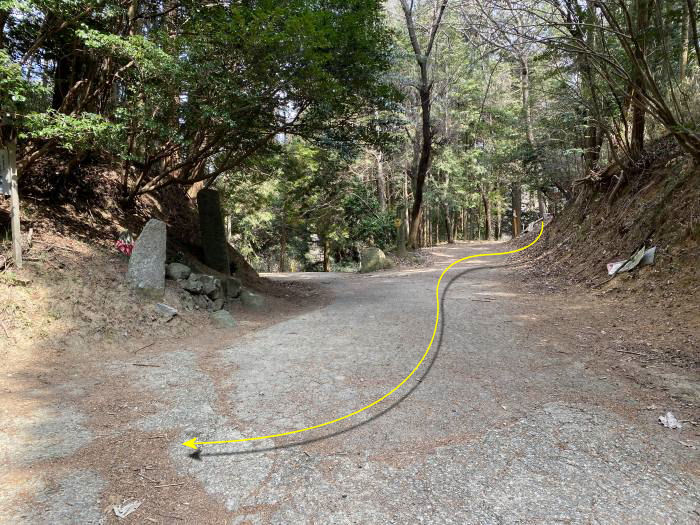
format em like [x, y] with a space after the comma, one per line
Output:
[200, 454]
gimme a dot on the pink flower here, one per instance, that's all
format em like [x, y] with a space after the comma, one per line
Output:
[125, 247]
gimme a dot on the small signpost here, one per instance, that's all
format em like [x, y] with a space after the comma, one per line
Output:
[4, 171]
[8, 183]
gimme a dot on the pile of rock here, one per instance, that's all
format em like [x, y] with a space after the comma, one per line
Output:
[148, 269]
[201, 291]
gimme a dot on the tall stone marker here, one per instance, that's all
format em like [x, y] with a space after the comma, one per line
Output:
[212, 231]
[146, 272]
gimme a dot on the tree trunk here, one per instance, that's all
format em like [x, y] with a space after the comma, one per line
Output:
[592, 136]
[428, 228]
[685, 41]
[65, 69]
[541, 203]
[326, 256]
[422, 57]
[478, 223]
[283, 248]
[488, 220]
[389, 193]
[437, 224]
[401, 235]
[449, 226]
[229, 228]
[423, 165]
[516, 201]
[4, 16]
[456, 225]
[133, 12]
[638, 125]
[406, 216]
[381, 182]
[638, 103]
[498, 222]
[525, 91]
[591, 143]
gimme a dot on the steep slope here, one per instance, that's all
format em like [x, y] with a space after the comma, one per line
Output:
[659, 206]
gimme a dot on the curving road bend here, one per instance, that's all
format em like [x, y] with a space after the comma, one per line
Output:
[494, 428]
[509, 420]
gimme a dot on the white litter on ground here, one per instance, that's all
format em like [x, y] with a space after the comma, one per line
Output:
[126, 508]
[670, 421]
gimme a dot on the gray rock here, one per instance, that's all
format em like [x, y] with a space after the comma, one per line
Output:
[223, 319]
[178, 271]
[218, 292]
[146, 273]
[205, 284]
[232, 287]
[201, 302]
[372, 259]
[217, 304]
[186, 301]
[193, 284]
[166, 311]
[210, 286]
[251, 300]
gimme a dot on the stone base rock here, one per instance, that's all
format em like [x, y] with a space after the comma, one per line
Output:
[201, 302]
[193, 284]
[168, 312]
[223, 319]
[251, 300]
[232, 287]
[186, 301]
[178, 271]
[211, 286]
[204, 292]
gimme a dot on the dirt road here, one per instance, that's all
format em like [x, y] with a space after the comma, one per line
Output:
[512, 418]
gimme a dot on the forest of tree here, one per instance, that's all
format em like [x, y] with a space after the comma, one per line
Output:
[329, 125]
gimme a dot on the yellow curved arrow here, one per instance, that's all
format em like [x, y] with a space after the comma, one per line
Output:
[192, 443]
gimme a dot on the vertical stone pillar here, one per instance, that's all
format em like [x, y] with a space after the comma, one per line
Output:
[212, 231]
[146, 273]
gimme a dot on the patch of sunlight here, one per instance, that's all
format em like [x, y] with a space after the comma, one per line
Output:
[497, 294]
[526, 317]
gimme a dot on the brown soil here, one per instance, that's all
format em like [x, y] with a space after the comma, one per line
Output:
[656, 346]
[653, 312]
[70, 312]
[66, 314]
[659, 207]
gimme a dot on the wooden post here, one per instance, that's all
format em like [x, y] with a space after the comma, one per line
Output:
[14, 204]
[8, 171]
